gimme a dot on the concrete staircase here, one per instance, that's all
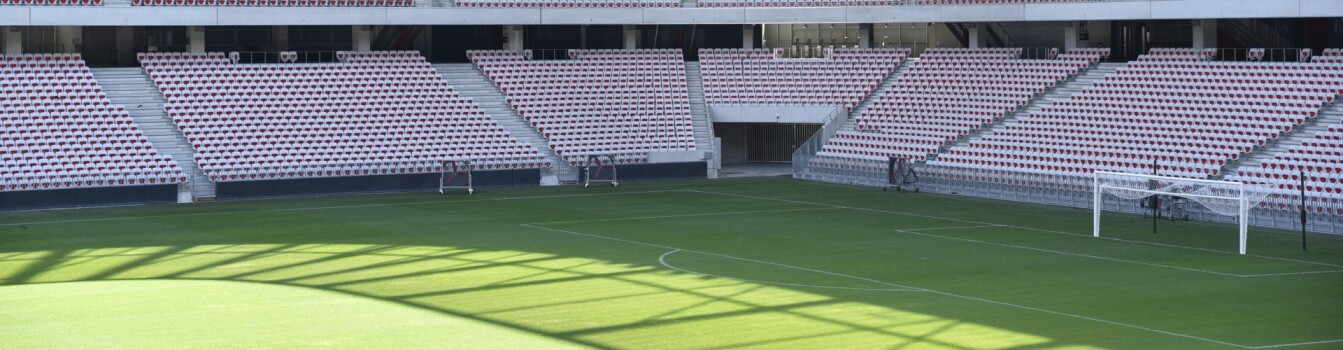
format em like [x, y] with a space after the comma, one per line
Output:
[1330, 115]
[880, 90]
[472, 83]
[699, 113]
[1060, 92]
[824, 135]
[132, 88]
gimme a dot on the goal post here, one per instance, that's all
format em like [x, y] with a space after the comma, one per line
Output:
[599, 168]
[1227, 198]
[900, 175]
[455, 174]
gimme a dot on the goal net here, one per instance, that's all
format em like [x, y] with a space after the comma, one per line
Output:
[1221, 197]
[599, 168]
[900, 174]
[456, 174]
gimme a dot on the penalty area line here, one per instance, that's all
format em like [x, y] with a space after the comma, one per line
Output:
[662, 259]
[723, 256]
[1021, 227]
[910, 288]
[681, 216]
[1097, 257]
[911, 232]
[1286, 345]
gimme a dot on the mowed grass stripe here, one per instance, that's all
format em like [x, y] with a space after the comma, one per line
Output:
[793, 242]
[467, 256]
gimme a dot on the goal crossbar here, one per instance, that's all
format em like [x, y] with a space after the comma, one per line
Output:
[1232, 192]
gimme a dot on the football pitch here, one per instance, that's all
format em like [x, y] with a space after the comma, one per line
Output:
[742, 263]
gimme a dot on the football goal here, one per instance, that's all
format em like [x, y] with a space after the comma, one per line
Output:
[900, 175]
[598, 168]
[1221, 197]
[455, 174]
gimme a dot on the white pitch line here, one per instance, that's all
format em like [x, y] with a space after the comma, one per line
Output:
[1019, 227]
[120, 218]
[680, 216]
[911, 288]
[1068, 253]
[1293, 273]
[1331, 341]
[722, 256]
[662, 259]
[952, 227]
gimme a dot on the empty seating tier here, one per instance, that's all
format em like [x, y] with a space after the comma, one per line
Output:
[1171, 109]
[300, 3]
[760, 78]
[946, 94]
[1320, 159]
[51, 2]
[376, 113]
[797, 3]
[61, 131]
[612, 102]
[997, 2]
[569, 3]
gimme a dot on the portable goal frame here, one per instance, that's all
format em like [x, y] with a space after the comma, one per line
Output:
[599, 168]
[455, 174]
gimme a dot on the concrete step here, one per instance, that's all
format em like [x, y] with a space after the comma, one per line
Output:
[471, 83]
[133, 89]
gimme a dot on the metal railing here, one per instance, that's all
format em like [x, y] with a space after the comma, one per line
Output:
[36, 182]
[1262, 31]
[810, 166]
[547, 54]
[343, 169]
[1266, 54]
[253, 57]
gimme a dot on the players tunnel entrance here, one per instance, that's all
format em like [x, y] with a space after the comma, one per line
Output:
[762, 142]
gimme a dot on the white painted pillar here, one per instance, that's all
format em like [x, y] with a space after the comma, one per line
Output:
[865, 36]
[69, 39]
[1070, 36]
[513, 38]
[362, 38]
[279, 37]
[631, 38]
[583, 37]
[1198, 34]
[13, 40]
[196, 39]
[973, 36]
[747, 36]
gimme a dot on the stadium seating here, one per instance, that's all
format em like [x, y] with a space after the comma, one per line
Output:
[829, 3]
[1171, 109]
[61, 130]
[946, 94]
[569, 3]
[374, 113]
[759, 78]
[610, 102]
[1319, 158]
[797, 3]
[997, 2]
[300, 3]
[51, 2]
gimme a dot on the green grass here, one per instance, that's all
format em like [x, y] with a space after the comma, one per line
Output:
[758, 263]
